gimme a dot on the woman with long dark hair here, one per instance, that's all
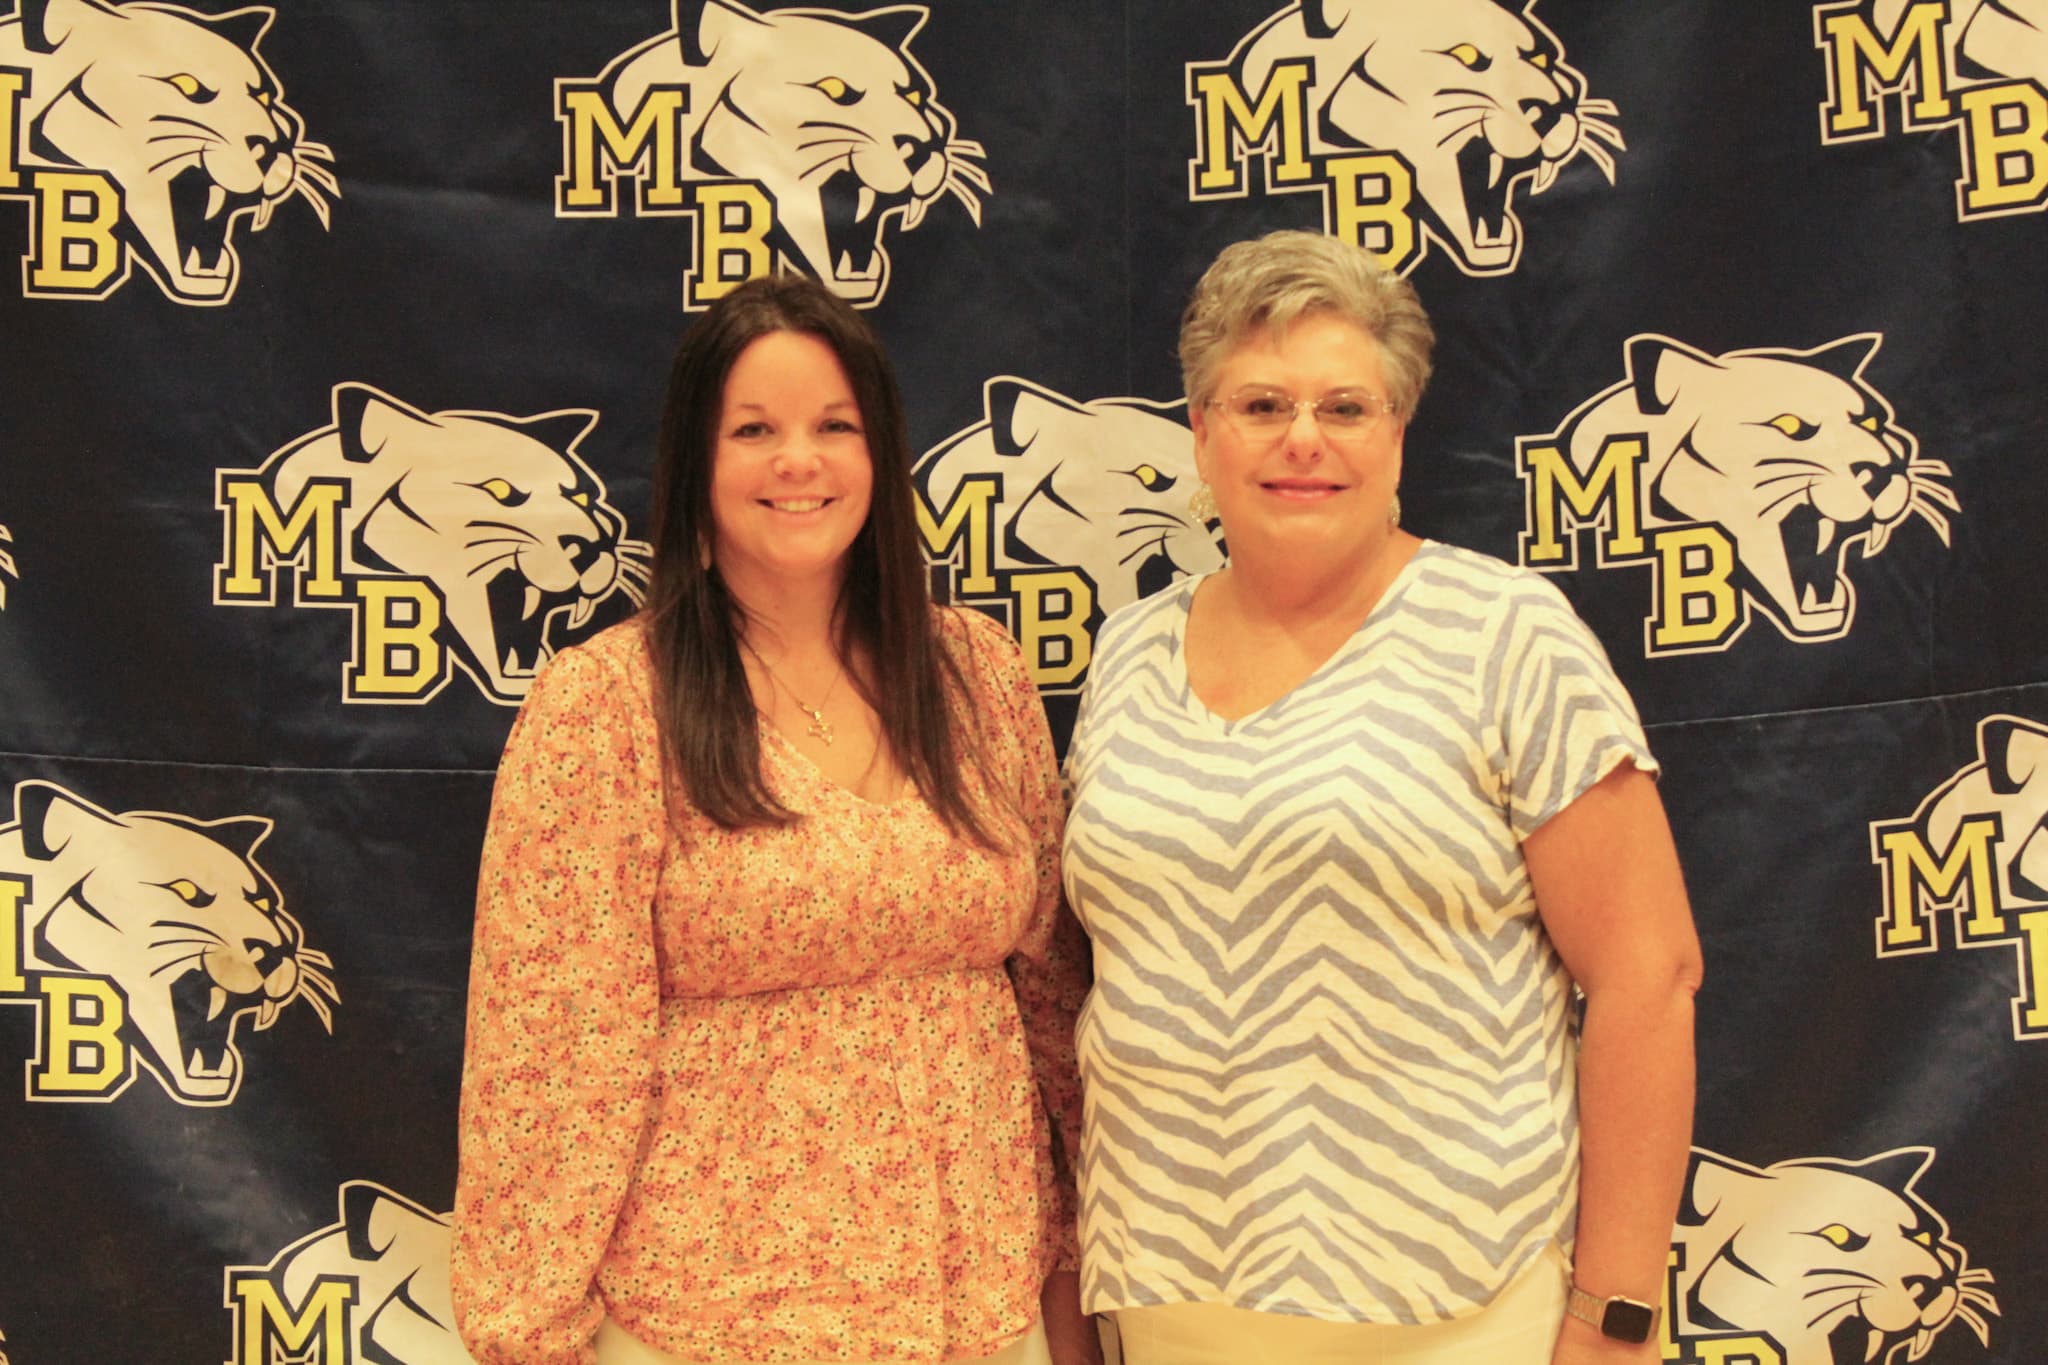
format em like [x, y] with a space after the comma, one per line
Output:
[772, 997]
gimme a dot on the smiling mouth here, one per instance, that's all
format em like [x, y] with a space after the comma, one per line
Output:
[1296, 488]
[796, 504]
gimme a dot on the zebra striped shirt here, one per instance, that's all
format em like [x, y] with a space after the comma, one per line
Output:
[1329, 1057]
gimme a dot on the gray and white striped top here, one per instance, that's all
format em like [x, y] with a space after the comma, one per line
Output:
[1329, 1055]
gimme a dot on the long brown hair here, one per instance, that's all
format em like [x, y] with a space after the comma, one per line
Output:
[703, 705]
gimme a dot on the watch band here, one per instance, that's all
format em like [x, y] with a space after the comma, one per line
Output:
[1617, 1316]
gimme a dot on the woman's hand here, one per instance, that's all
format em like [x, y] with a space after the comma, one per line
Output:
[1580, 1344]
[1069, 1332]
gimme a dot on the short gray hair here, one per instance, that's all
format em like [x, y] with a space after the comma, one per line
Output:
[1271, 281]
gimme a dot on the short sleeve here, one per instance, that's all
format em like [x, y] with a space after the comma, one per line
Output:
[558, 1070]
[1558, 719]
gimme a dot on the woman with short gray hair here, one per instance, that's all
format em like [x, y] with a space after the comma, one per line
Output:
[1354, 819]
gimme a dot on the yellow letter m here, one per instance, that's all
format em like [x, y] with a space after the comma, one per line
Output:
[1863, 67]
[1228, 126]
[268, 1332]
[1607, 495]
[309, 535]
[597, 148]
[1916, 883]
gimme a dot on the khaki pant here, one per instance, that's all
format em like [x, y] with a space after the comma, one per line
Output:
[1518, 1328]
[615, 1346]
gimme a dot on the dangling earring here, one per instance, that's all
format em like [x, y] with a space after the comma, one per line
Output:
[1394, 513]
[1202, 504]
[704, 554]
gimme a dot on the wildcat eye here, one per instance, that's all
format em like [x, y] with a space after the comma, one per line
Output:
[1798, 428]
[1469, 57]
[836, 90]
[913, 98]
[188, 892]
[580, 499]
[501, 492]
[190, 88]
[1837, 1235]
[1871, 423]
[1151, 480]
[1540, 60]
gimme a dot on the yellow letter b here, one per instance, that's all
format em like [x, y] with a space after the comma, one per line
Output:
[1698, 606]
[2005, 156]
[733, 221]
[73, 252]
[1053, 607]
[396, 655]
[82, 1053]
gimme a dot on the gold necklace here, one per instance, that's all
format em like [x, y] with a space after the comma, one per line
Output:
[819, 728]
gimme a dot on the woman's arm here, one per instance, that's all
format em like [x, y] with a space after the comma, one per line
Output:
[1608, 888]
[558, 1058]
[1070, 1335]
[1049, 972]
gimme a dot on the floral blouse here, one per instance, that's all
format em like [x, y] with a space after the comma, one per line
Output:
[762, 1094]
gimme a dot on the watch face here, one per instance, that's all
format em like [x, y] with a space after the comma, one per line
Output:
[1626, 1320]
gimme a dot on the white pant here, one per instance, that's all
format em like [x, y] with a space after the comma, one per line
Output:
[1518, 1328]
[616, 1346]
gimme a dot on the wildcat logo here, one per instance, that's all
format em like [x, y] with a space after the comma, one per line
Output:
[1819, 1261]
[371, 1287]
[1743, 480]
[1414, 122]
[1054, 512]
[144, 937]
[793, 137]
[1978, 848]
[470, 539]
[1978, 66]
[146, 133]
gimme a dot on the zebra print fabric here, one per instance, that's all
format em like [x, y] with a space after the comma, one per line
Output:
[1328, 1059]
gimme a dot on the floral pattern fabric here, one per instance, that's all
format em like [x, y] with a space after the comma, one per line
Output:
[764, 1094]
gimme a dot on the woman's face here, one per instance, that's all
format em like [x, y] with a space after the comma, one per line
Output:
[1317, 495]
[790, 476]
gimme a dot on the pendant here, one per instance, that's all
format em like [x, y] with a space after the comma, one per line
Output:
[819, 728]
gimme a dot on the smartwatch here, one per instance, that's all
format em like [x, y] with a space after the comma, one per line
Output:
[1618, 1316]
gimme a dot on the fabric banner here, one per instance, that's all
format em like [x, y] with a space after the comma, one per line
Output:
[333, 357]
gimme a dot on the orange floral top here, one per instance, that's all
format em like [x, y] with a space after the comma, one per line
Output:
[766, 1094]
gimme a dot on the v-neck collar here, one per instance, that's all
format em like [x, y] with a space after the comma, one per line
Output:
[1199, 709]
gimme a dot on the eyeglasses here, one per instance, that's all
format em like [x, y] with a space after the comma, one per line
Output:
[1343, 414]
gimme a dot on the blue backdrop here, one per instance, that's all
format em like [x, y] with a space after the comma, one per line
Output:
[330, 378]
